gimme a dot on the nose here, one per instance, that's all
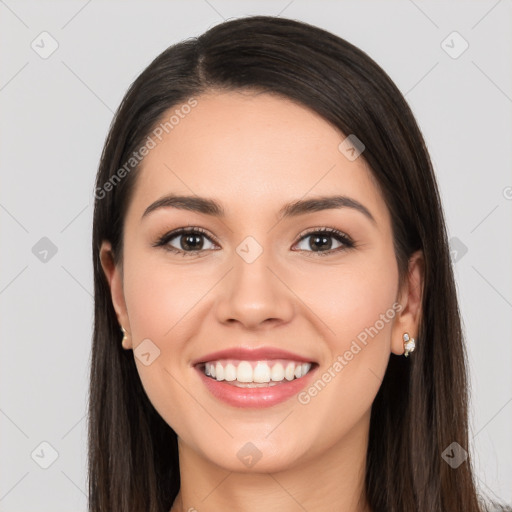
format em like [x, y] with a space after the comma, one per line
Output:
[253, 294]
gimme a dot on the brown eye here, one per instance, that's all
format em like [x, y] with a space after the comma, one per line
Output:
[191, 242]
[186, 241]
[324, 241]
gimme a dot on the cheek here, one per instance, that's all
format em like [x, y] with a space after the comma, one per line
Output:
[350, 298]
[160, 298]
[163, 302]
[357, 304]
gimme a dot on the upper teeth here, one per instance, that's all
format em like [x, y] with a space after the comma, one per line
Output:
[256, 371]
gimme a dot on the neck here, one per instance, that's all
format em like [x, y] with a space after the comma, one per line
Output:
[332, 480]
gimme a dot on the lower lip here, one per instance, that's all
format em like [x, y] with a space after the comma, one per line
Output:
[255, 397]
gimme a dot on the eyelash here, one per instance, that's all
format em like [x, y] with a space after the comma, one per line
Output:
[164, 240]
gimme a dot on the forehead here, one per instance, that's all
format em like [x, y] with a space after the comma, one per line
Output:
[252, 152]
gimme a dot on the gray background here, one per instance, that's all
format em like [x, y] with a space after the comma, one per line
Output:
[55, 113]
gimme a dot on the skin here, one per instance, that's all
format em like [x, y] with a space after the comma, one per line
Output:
[253, 153]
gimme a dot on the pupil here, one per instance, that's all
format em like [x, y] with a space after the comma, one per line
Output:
[191, 241]
[321, 240]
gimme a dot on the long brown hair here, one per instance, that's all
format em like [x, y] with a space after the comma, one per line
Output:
[422, 405]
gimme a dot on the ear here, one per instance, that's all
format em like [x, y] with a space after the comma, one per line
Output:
[410, 298]
[114, 278]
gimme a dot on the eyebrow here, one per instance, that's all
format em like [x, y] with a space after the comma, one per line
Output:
[293, 209]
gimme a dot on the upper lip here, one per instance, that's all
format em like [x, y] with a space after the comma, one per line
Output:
[254, 354]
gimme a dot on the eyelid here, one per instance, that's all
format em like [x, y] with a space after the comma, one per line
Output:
[164, 240]
[345, 239]
[324, 229]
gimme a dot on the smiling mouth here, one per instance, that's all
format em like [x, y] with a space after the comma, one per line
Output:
[255, 374]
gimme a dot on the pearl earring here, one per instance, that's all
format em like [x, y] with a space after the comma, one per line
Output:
[409, 344]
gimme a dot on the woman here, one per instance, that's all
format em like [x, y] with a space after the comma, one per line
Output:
[276, 321]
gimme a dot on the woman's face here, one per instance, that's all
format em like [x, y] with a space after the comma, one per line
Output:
[261, 279]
